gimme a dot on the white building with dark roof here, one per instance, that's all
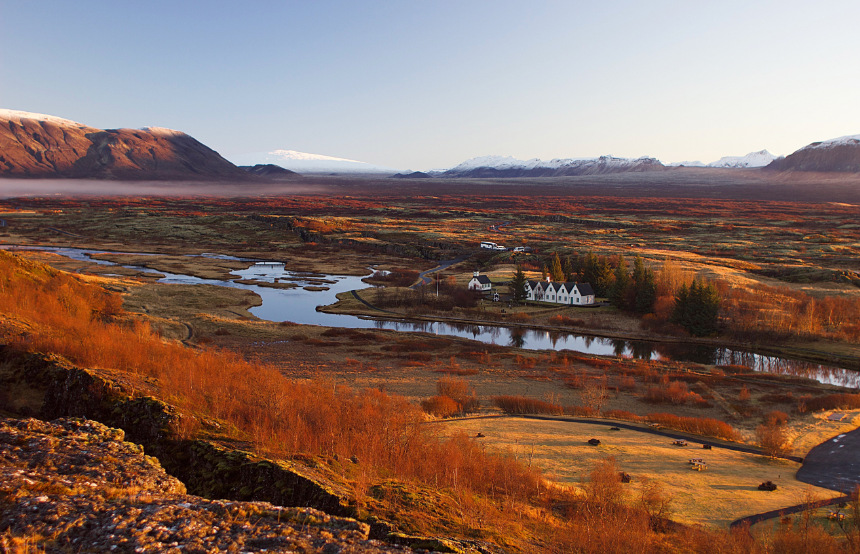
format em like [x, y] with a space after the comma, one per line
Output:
[480, 282]
[569, 293]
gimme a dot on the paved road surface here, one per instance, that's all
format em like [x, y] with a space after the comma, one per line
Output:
[834, 464]
[424, 277]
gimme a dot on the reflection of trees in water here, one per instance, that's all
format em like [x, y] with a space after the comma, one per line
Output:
[708, 355]
[642, 350]
[422, 326]
[518, 338]
[477, 332]
[619, 347]
[793, 368]
[698, 353]
[494, 332]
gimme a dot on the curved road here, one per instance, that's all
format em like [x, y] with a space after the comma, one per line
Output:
[423, 277]
[833, 464]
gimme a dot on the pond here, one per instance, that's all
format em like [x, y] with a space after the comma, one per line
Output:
[299, 305]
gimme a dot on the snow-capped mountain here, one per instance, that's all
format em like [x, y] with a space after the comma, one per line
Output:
[839, 154]
[303, 162]
[848, 140]
[753, 159]
[695, 163]
[507, 166]
[17, 115]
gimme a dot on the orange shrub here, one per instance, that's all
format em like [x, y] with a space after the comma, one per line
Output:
[559, 319]
[776, 417]
[520, 317]
[581, 411]
[696, 425]
[79, 321]
[838, 401]
[525, 405]
[441, 406]
[627, 383]
[622, 414]
[674, 392]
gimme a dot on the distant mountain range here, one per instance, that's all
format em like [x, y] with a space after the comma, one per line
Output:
[38, 145]
[506, 166]
[302, 162]
[754, 159]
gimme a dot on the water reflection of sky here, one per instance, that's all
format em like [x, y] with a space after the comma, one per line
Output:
[298, 305]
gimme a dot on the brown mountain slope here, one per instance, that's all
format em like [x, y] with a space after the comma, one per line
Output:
[841, 154]
[35, 145]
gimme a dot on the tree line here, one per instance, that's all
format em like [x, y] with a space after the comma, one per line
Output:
[694, 306]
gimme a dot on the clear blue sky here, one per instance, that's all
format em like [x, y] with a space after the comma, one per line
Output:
[426, 84]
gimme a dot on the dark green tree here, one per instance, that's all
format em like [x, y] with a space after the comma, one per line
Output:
[518, 285]
[602, 276]
[697, 309]
[618, 294]
[644, 287]
[569, 272]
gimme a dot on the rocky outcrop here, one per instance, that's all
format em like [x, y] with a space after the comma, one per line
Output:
[36, 145]
[205, 467]
[74, 485]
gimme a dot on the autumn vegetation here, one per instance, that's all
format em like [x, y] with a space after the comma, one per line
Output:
[86, 324]
[576, 238]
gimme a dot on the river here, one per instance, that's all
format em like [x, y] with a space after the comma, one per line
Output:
[299, 305]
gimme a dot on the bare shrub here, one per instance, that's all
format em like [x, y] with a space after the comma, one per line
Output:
[627, 383]
[773, 439]
[655, 501]
[594, 393]
[604, 490]
[525, 405]
[440, 406]
[460, 391]
[520, 317]
[674, 392]
[838, 401]
[776, 417]
[622, 414]
[697, 425]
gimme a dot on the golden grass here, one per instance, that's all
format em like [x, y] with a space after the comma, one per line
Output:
[726, 491]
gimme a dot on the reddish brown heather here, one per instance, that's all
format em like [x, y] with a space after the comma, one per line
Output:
[87, 325]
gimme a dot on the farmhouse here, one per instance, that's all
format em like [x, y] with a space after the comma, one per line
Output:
[480, 282]
[570, 293]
